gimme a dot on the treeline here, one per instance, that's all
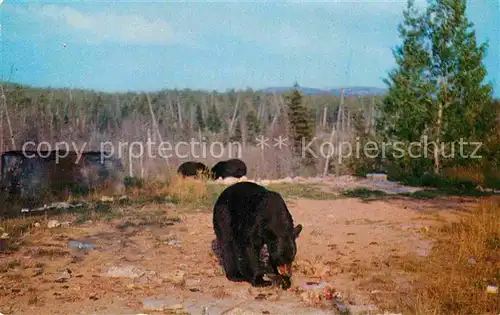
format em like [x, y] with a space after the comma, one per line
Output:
[53, 115]
[180, 113]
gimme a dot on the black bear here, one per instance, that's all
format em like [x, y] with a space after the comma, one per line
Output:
[191, 169]
[246, 217]
[230, 168]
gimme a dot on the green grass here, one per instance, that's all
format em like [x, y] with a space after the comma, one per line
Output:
[305, 191]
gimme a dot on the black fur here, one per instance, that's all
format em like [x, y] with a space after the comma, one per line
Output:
[191, 169]
[246, 217]
[230, 168]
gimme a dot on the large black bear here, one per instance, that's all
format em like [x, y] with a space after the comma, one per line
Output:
[191, 169]
[230, 168]
[246, 217]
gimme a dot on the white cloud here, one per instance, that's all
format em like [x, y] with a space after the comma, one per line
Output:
[98, 27]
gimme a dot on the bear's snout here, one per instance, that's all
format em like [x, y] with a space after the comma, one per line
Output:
[285, 270]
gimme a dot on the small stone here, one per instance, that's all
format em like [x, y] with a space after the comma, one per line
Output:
[65, 276]
[107, 199]
[176, 277]
[4, 236]
[192, 282]
[125, 272]
[36, 224]
[53, 224]
[492, 289]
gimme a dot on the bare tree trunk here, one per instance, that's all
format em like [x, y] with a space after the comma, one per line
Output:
[439, 128]
[171, 107]
[371, 120]
[51, 117]
[278, 112]
[231, 124]
[130, 165]
[1, 130]
[260, 110]
[155, 124]
[4, 100]
[325, 110]
[327, 162]
[348, 121]
[339, 138]
[437, 152]
[179, 112]
[191, 118]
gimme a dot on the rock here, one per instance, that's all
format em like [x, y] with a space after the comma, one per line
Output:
[166, 303]
[471, 261]
[192, 282]
[239, 311]
[53, 224]
[80, 245]
[65, 276]
[4, 236]
[176, 277]
[36, 224]
[492, 289]
[123, 272]
[107, 199]
[174, 242]
[311, 298]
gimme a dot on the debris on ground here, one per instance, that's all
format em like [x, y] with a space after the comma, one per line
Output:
[492, 289]
[162, 304]
[80, 245]
[124, 272]
[53, 224]
[54, 205]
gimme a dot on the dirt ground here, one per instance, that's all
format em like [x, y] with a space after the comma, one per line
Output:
[158, 259]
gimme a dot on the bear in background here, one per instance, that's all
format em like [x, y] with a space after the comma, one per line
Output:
[246, 217]
[191, 169]
[230, 168]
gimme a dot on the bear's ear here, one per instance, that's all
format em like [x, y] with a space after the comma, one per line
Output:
[296, 230]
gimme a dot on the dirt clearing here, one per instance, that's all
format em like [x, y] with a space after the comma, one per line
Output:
[158, 259]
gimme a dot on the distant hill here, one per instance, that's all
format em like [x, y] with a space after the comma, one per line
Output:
[355, 90]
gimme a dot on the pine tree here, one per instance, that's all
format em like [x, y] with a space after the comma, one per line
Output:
[253, 126]
[199, 118]
[237, 135]
[214, 123]
[437, 89]
[403, 111]
[301, 128]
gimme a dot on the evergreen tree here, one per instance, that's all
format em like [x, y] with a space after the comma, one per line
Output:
[199, 118]
[214, 123]
[237, 134]
[301, 128]
[436, 90]
[253, 126]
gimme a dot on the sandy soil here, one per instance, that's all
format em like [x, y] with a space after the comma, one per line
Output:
[350, 245]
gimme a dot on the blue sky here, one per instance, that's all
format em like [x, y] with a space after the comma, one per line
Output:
[150, 45]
